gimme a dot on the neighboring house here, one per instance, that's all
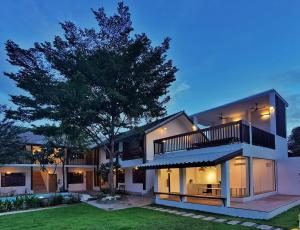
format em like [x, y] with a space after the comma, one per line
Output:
[237, 156]
[24, 176]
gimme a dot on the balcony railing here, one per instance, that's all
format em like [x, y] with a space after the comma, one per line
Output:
[233, 132]
[132, 154]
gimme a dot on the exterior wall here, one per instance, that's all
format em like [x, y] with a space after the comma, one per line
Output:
[174, 127]
[129, 185]
[18, 189]
[289, 176]
[82, 186]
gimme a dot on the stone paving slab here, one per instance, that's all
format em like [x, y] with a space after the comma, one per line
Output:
[209, 218]
[189, 214]
[264, 227]
[248, 224]
[198, 216]
[220, 220]
[233, 222]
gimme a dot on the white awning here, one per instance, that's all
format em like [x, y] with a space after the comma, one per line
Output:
[192, 158]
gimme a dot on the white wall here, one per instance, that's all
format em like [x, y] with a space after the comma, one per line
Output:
[18, 189]
[289, 176]
[174, 127]
[129, 185]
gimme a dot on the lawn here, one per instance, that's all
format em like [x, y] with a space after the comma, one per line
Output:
[83, 216]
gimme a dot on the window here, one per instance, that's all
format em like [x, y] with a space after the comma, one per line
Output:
[138, 176]
[263, 176]
[239, 183]
[12, 179]
[120, 176]
[75, 178]
[280, 117]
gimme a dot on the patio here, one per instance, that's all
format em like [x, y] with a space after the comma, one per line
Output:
[268, 204]
[127, 201]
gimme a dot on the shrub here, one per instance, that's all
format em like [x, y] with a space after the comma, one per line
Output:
[56, 200]
[19, 202]
[73, 198]
[32, 201]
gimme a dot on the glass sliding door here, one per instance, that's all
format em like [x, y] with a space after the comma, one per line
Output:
[239, 177]
[263, 176]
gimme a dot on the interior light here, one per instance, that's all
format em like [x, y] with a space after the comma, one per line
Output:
[265, 116]
[8, 173]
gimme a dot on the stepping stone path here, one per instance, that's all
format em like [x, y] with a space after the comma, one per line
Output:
[214, 219]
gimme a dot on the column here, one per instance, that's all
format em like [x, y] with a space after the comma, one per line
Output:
[225, 182]
[182, 183]
[251, 183]
[155, 186]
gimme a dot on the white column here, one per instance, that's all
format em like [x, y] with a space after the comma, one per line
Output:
[251, 183]
[182, 182]
[225, 182]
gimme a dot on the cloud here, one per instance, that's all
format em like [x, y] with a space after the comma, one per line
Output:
[179, 88]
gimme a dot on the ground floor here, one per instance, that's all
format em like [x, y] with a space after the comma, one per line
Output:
[242, 186]
[32, 179]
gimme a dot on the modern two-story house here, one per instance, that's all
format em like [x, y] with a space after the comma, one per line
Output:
[236, 157]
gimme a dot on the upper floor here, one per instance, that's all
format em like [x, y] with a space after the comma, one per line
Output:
[258, 122]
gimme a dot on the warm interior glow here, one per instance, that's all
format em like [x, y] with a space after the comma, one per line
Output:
[265, 116]
[211, 176]
[8, 173]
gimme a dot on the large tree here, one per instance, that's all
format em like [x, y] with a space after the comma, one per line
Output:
[99, 81]
[12, 146]
[294, 142]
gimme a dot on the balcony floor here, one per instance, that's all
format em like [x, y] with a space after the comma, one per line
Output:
[266, 204]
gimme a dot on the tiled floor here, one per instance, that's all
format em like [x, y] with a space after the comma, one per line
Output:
[266, 204]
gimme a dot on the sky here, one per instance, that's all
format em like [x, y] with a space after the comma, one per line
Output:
[224, 50]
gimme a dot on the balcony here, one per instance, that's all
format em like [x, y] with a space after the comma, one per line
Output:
[132, 154]
[230, 133]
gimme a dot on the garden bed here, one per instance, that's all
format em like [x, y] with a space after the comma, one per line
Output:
[25, 202]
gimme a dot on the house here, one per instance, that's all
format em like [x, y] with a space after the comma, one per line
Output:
[232, 160]
[235, 162]
[25, 176]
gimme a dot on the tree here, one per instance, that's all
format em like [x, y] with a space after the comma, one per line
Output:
[294, 142]
[99, 82]
[63, 144]
[12, 145]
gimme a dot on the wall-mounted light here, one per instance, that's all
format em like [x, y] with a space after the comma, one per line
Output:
[8, 173]
[265, 116]
[272, 109]
[169, 171]
[194, 127]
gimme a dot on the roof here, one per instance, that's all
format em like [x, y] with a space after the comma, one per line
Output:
[253, 97]
[196, 157]
[151, 126]
[33, 139]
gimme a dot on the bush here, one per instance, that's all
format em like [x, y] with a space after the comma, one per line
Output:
[73, 198]
[19, 203]
[56, 200]
[32, 201]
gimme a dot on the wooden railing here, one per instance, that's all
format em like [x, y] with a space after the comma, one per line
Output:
[132, 154]
[229, 133]
[263, 138]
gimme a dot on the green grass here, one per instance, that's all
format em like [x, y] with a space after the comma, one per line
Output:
[286, 220]
[83, 216]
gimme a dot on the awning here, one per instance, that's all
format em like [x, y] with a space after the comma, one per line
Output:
[192, 158]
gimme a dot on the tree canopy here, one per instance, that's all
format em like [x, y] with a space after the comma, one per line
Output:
[294, 142]
[98, 81]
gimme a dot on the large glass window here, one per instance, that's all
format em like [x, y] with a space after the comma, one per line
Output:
[75, 178]
[239, 183]
[169, 181]
[204, 181]
[12, 179]
[263, 175]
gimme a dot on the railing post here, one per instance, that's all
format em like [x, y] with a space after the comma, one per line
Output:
[250, 133]
[241, 131]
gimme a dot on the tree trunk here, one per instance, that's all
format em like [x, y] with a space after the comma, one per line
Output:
[63, 174]
[111, 168]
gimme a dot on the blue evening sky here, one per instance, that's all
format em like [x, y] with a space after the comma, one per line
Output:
[225, 50]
